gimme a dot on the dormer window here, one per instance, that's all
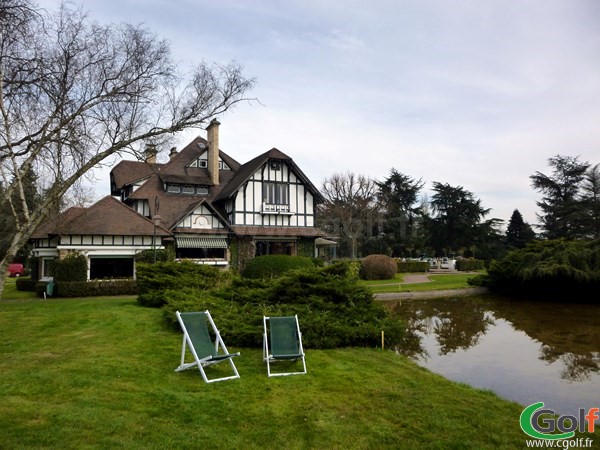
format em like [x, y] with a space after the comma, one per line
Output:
[202, 162]
[187, 189]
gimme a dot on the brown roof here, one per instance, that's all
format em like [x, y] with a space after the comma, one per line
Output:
[248, 169]
[106, 217]
[171, 206]
[176, 170]
[128, 172]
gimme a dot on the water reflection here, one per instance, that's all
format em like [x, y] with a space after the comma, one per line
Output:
[518, 348]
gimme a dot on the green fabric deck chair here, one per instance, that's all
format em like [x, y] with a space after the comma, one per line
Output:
[205, 351]
[283, 342]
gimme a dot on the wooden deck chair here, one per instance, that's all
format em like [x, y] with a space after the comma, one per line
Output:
[205, 352]
[282, 342]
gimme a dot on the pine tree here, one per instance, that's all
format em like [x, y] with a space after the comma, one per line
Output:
[518, 233]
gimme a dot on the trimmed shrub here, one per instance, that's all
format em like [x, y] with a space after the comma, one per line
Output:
[412, 266]
[26, 284]
[467, 265]
[378, 267]
[40, 288]
[94, 288]
[270, 266]
[71, 268]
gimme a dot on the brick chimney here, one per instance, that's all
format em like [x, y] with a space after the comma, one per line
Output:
[212, 134]
[150, 154]
[172, 153]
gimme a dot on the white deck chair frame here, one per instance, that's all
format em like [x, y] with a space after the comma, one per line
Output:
[201, 363]
[268, 357]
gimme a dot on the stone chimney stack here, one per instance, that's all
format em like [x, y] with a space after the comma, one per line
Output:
[172, 153]
[150, 154]
[212, 134]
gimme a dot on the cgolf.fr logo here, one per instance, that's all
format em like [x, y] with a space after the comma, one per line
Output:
[542, 423]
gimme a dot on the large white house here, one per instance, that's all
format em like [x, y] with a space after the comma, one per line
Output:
[202, 202]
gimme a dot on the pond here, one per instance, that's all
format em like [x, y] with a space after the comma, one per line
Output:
[525, 351]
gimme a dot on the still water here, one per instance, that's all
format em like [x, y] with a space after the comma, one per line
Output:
[524, 351]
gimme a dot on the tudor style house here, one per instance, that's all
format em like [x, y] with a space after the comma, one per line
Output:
[202, 202]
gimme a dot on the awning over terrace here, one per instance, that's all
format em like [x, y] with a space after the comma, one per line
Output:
[201, 242]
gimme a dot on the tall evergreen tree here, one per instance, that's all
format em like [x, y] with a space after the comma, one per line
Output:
[563, 213]
[457, 220]
[518, 232]
[398, 197]
[590, 197]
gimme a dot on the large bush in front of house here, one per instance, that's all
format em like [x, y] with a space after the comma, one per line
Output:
[72, 267]
[160, 255]
[154, 279]
[332, 308]
[378, 267]
[269, 266]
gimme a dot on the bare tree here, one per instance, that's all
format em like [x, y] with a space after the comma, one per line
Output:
[349, 207]
[74, 92]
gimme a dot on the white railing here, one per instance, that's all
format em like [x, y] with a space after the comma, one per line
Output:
[272, 208]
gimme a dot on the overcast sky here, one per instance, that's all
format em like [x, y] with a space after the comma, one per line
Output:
[476, 93]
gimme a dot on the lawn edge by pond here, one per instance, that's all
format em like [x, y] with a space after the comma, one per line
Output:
[99, 372]
[464, 292]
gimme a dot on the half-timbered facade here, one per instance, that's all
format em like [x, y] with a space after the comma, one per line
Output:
[202, 202]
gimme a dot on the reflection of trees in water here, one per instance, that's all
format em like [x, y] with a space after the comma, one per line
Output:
[454, 326]
[460, 333]
[576, 367]
[567, 332]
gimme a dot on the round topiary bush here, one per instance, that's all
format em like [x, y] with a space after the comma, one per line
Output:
[378, 267]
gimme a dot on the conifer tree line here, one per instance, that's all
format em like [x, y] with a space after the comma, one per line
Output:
[394, 217]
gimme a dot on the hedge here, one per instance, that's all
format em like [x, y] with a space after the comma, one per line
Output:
[269, 266]
[93, 288]
[26, 284]
[467, 265]
[412, 266]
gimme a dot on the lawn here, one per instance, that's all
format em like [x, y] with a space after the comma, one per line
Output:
[99, 373]
[438, 282]
[10, 290]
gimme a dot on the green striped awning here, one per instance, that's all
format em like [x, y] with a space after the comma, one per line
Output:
[201, 242]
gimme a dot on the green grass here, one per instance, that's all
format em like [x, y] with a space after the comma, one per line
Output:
[10, 291]
[99, 373]
[438, 282]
